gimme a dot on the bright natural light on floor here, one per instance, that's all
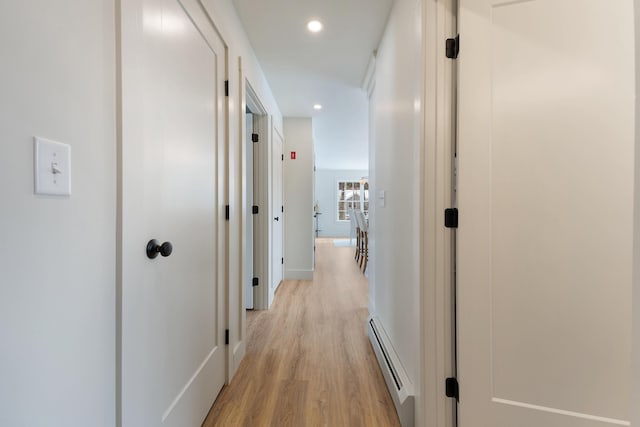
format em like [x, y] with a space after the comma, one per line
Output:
[344, 242]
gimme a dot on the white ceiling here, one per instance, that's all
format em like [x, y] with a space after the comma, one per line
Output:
[326, 68]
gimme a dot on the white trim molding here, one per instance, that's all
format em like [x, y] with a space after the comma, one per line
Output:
[369, 80]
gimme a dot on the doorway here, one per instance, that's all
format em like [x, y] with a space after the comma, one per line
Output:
[260, 246]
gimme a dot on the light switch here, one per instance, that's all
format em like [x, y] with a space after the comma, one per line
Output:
[52, 171]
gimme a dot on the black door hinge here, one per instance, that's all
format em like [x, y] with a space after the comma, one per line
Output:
[254, 209]
[451, 218]
[226, 336]
[452, 47]
[452, 389]
[282, 209]
[283, 157]
[226, 212]
[282, 262]
[226, 88]
[254, 137]
[255, 282]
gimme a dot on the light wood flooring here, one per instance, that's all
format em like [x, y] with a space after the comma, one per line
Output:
[308, 360]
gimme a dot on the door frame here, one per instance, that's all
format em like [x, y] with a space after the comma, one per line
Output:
[635, 308]
[262, 123]
[437, 161]
[247, 219]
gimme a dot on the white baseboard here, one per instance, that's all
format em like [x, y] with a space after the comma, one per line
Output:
[398, 383]
[238, 354]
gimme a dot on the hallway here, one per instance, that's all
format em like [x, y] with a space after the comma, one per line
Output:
[309, 361]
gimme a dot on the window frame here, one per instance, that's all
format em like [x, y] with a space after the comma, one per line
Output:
[343, 205]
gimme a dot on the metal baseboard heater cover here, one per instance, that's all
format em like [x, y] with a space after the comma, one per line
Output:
[400, 388]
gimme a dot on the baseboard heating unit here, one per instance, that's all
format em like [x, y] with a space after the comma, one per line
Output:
[400, 387]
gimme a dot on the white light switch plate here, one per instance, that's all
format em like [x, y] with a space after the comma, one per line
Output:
[52, 170]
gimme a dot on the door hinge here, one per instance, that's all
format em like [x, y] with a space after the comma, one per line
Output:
[255, 282]
[451, 388]
[226, 88]
[254, 209]
[282, 209]
[451, 218]
[282, 157]
[226, 336]
[282, 261]
[452, 47]
[226, 212]
[254, 137]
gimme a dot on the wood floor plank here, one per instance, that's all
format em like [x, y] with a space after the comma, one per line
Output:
[290, 410]
[309, 361]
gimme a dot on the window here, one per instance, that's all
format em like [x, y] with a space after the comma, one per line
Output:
[352, 195]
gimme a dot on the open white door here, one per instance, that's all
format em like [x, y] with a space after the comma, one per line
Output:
[172, 325]
[277, 259]
[545, 193]
[248, 247]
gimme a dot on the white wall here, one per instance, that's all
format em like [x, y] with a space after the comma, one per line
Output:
[327, 198]
[57, 254]
[395, 169]
[298, 199]
[340, 130]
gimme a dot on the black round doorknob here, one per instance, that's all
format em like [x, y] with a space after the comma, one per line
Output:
[154, 248]
[277, 218]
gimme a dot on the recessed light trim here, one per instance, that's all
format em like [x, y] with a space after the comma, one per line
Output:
[317, 107]
[314, 26]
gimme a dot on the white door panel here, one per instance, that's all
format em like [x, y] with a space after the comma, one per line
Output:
[248, 250]
[545, 197]
[278, 215]
[172, 127]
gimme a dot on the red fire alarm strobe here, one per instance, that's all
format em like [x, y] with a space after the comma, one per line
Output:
[293, 155]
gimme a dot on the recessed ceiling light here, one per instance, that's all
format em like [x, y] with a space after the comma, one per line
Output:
[314, 26]
[317, 107]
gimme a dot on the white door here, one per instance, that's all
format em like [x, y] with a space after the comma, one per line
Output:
[278, 215]
[172, 329]
[248, 247]
[546, 151]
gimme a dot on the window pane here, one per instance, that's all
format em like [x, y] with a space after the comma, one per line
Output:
[349, 185]
[341, 186]
[342, 216]
[366, 194]
[366, 186]
[366, 206]
[356, 186]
